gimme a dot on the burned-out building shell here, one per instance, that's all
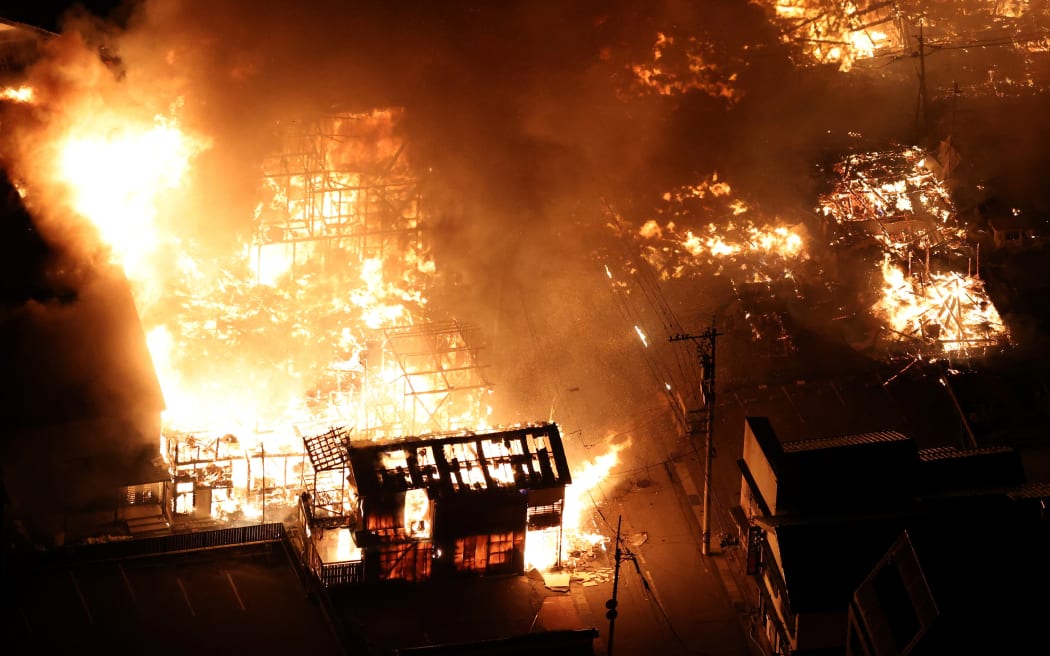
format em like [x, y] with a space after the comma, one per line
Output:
[463, 503]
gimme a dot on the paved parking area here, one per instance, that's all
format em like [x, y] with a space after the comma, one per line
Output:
[234, 600]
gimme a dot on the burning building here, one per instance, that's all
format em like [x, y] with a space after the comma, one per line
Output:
[337, 264]
[314, 314]
[317, 317]
[839, 32]
[418, 507]
[897, 202]
[848, 33]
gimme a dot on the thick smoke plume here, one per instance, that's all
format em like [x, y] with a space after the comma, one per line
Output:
[527, 118]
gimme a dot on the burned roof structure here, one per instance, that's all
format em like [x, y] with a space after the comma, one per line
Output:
[436, 504]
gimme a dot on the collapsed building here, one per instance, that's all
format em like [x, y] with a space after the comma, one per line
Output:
[338, 249]
[849, 33]
[893, 205]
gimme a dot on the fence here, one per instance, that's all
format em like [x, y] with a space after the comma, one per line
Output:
[223, 537]
[334, 574]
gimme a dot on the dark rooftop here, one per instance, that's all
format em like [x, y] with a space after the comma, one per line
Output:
[842, 440]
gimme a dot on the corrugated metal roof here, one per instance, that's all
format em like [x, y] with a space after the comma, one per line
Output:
[1031, 491]
[946, 452]
[818, 443]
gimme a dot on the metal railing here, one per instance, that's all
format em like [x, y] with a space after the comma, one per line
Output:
[176, 542]
[344, 573]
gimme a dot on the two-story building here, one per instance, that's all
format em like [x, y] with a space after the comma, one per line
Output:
[413, 508]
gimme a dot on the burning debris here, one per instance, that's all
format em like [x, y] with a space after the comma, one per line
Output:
[683, 64]
[730, 240]
[894, 197]
[839, 32]
[897, 200]
[950, 311]
[847, 33]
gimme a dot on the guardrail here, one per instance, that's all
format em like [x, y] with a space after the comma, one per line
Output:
[344, 573]
[176, 542]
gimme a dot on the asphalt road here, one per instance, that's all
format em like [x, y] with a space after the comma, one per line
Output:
[671, 599]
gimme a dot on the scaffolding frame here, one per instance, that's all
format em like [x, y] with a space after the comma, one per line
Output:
[328, 492]
[442, 380]
[339, 182]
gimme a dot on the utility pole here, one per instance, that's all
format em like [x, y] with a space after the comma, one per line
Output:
[611, 613]
[705, 350]
[611, 604]
[923, 113]
[951, 133]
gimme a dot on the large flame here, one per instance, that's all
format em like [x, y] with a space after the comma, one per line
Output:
[949, 309]
[117, 171]
[545, 550]
[317, 317]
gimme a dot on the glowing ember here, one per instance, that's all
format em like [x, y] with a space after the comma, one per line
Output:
[895, 197]
[683, 64]
[950, 310]
[675, 250]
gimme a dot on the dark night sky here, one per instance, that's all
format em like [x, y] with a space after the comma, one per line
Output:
[47, 14]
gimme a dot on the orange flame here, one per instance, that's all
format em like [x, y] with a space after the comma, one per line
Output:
[117, 171]
[541, 547]
[949, 309]
[841, 33]
[683, 64]
[22, 94]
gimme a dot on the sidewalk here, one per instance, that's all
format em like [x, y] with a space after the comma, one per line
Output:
[729, 561]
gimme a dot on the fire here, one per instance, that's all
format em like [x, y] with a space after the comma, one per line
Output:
[317, 317]
[680, 65]
[896, 197]
[117, 171]
[542, 548]
[676, 251]
[950, 309]
[21, 94]
[840, 32]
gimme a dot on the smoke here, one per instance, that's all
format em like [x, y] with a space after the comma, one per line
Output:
[526, 116]
[527, 119]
